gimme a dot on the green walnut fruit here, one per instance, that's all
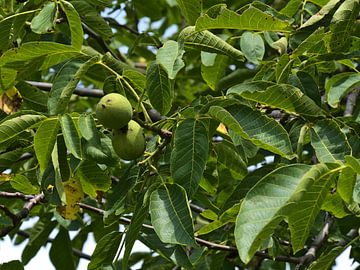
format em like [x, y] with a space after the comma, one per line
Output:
[114, 111]
[129, 143]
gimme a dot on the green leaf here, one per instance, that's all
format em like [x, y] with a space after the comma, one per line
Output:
[171, 216]
[228, 156]
[339, 85]
[9, 26]
[309, 86]
[38, 237]
[11, 128]
[71, 135]
[44, 141]
[65, 83]
[255, 127]
[74, 22]
[52, 52]
[329, 142]
[281, 96]
[9, 158]
[61, 254]
[33, 98]
[214, 72]
[169, 57]
[91, 17]
[133, 231]
[303, 213]
[252, 46]
[159, 88]
[208, 42]
[283, 68]
[190, 153]
[342, 23]
[324, 11]
[345, 184]
[190, 9]
[105, 251]
[250, 18]
[291, 8]
[311, 43]
[335, 205]
[22, 183]
[266, 204]
[12, 265]
[92, 178]
[88, 128]
[353, 163]
[44, 21]
[7, 79]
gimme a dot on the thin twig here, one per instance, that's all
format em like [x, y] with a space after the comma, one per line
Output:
[23, 213]
[351, 102]
[80, 91]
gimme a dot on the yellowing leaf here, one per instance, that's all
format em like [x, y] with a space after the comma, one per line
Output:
[74, 194]
[10, 100]
[222, 129]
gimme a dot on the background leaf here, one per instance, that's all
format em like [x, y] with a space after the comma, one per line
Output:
[105, 250]
[252, 46]
[190, 9]
[62, 245]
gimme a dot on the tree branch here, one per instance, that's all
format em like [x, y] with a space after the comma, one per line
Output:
[80, 91]
[24, 212]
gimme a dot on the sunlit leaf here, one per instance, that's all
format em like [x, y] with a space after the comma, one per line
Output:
[266, 204]
[256, 127]
[171, 216]
[250, 18]
[44, 21]
[44, 141]
[329, 142]
[188, 159]
[208, 42]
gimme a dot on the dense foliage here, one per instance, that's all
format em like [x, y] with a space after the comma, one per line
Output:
[251, 115]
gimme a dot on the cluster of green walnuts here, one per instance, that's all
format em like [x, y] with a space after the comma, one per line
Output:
[114, 111]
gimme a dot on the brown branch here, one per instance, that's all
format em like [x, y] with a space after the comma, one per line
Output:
[351, 102]
[24, 212]
[80, 91]
[18, 195]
